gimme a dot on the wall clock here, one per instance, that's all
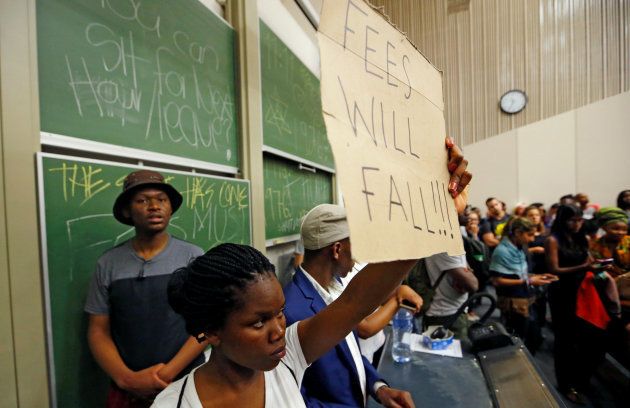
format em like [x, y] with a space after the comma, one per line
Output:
[513, 101]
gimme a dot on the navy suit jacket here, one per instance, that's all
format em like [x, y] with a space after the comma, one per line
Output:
[332, 380]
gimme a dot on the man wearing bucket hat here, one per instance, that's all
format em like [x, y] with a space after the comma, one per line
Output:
[342, 377]
[134, 335]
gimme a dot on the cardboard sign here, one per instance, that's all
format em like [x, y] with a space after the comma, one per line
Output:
[383, 108]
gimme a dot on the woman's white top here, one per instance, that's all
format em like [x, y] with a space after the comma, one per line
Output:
[281, 387]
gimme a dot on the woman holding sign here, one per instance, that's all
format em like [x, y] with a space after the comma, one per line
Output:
[230, 297]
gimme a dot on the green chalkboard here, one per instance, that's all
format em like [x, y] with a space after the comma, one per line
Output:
[155, 75]
[78, 226]
[289, 194]
[291, 103]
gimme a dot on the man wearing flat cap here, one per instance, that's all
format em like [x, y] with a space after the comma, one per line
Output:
[134, 335]
[342, 377]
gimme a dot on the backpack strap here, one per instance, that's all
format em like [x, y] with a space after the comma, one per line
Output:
[438, 280]
[181, 393]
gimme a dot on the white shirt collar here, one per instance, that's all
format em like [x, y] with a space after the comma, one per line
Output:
[330, 293]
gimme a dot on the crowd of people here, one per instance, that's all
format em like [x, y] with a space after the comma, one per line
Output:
[572, 258]
[156, 303]
[158, 306]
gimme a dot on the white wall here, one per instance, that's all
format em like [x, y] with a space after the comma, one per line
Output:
[493, 162]
[584, 150]
[288, 22]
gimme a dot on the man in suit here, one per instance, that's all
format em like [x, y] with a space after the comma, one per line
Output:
[342, 377]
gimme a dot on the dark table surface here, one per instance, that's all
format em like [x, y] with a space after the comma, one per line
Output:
[436, 381]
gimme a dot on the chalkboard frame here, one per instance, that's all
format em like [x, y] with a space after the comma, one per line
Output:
[297, 159]
[90, 146]
[40, 156]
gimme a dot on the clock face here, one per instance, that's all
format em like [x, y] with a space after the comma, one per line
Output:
[513, 101]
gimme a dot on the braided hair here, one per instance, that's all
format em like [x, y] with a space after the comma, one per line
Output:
[209, 288]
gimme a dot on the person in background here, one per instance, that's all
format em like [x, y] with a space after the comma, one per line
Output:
[536, 261]
[286, 274]
[477, 256]
[341, 376]
[509, 272]
[623, 201]
[536, 248]
[491, 230]
[551, 215]
[298, 254]
[133, 333]
[578, 346]
[463, 219]
[472, 226]
[591, 229]
[477, 211]
[615, 243]
[588, 210]
[567, 199]
[451, 292]
[519, 209]
[541, 208]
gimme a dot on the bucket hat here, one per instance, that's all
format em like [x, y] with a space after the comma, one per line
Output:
[143, 179]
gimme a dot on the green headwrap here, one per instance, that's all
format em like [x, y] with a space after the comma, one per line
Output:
[608, 215]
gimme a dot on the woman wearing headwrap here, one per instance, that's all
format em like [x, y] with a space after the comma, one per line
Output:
[577, 347]
[615, 243]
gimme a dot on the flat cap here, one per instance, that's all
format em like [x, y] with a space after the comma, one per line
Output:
[324, 225]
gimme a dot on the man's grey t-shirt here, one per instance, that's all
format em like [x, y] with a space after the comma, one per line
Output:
[446, 300]
[132, 291]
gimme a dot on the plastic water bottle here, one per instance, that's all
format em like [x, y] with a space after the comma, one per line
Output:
[402, 325]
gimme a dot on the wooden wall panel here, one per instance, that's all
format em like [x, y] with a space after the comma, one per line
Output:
[595, 49]
[476, 72]
[563, 53]
[530, 10]
[611, 49]
[491, 58]
[563, 40]
[505, 58]
[579, 59]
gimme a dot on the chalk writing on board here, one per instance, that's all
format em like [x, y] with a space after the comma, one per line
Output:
[276, 114]
[214, 207]
[289, 195]
[167, 89]
[291, 103]
[81, 180]
[133, 13]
